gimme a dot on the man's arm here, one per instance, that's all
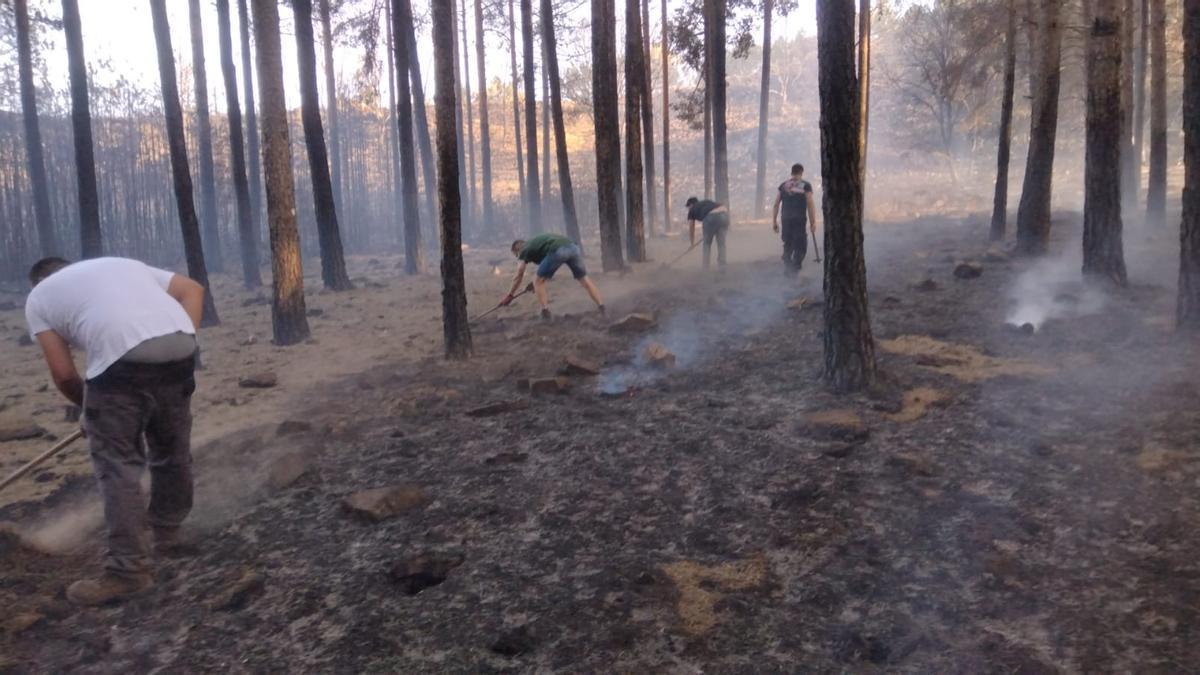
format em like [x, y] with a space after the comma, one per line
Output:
[190, 294]
[516, 284]
[775, 211]
[812, 212]
[691, 232]
[62, 366]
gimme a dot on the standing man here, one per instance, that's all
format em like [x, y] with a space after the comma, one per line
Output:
[715, 219]
[550, 252]
[138, 326]
[796, 198]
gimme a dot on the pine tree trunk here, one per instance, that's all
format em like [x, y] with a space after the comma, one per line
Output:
[764, 98]
[333, 262]
[532, 184]
[516, 108]
[708, 88]
[565, 188]
[393, 123]
[666, 118]
[247, 234]
[459, 121]
[545, 115]
[209, 227]
[1156, 193]
[331, 107]
[253, 152]
[402, 25]
[608, 132]
[849, 347]
[720, 137]
[424, 141]
[635, 232]
[289, 322]
[864, 83]
[1129, 163]
[1139, 95]
[1103, 256]
[193, 249]
[81, 125]
[1000, 201]
[647, 87]
[472, 182]
[1033, 213]
[456, 328]
[1188, 306]
[485, 134]
[47, 234]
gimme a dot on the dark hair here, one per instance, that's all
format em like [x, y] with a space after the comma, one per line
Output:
[44, 268]
[517, 245]
[797, 168]
[691, 202]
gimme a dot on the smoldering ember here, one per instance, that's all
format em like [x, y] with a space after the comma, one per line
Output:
[488, 336]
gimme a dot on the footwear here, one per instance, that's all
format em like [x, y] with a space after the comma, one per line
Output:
[108, 588]
[602, 310]
[545, 314]
[170, 543]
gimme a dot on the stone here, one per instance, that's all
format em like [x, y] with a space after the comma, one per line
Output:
[239, 594]
[514, 642]
[21, 622]
[798, 303]
[926, 285]
[633, 323]
[12, 430]
[423, 571]
[293, 427]
[968, 270]
[263, 380]
[550, 385]
[658, 356]
[24, 340]
[379, 504]
[576, 367]
[840, 424]
[287, 469]
[498, 408]
[912, 463]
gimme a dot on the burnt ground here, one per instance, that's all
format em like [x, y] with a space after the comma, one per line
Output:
[730, 515]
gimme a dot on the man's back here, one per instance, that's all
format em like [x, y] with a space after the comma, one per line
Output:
[794, 200]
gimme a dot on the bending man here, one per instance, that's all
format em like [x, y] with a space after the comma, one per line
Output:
[550, 252]
[715, 219]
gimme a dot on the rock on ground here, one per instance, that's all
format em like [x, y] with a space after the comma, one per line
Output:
[379, 504]
[264, 380]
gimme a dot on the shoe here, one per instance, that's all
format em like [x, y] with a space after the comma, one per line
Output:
[170, 543]
[602, 310]
[545, 315]
[108, 588]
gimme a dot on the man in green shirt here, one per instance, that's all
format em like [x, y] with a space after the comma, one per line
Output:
[550, 252]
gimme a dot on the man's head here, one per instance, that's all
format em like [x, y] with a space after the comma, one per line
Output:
[797, 170]
[692, 201]
[44, 268]
[518, 246]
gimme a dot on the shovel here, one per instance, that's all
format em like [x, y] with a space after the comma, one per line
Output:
[33, 463]
[528, 289]
[816, 248]
[680, 256]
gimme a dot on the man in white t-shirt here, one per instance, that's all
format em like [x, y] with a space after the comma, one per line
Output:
[137, 325]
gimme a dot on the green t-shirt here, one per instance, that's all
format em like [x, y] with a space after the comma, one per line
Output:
[542, 245]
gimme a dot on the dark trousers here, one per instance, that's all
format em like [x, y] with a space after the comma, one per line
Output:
[795, 246]
[137, 415]
[716, 225]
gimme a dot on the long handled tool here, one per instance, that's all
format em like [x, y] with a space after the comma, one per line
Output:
[816, 247]
[33, 463]
[680, 256]
[528, 289]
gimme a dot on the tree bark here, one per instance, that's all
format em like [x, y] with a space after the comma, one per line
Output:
[331, 106]
[516, 108]
[209, 227]
[1156, 193]
[1129, 163]
[708, 88]
[849, 347]
[1033, 213]
[47, 234]
[81, 124]
[532, 184]
[472, 183]
[720, 137]
[253, 152]
[635, 231]
[393, 123]
[608, 132]
[190, 225]
[485, 135]
[333, 262]
[424, 141]
[666, 118]
[648, 122]
[402, 25]
[545, 115]
[1103, 256]
[289, 321]
[864, 83]
[1188, 305]
[764, 98]
[464, 188]
[565, 188]
[1000, 200]
[1139, 95]
[247, 234]
[455, 326]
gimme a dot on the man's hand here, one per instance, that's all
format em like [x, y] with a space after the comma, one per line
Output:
[506, 300]
[775, 226]
[62, 366]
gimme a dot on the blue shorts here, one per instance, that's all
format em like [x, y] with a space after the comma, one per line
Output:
[570, 256]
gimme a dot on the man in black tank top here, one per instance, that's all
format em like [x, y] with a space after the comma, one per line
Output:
[796, 199]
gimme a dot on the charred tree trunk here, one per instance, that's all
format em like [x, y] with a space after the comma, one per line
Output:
[635, 231]
[288, 319]
[333, 262]
[472, 182]
[1129, 162]
[864, 83]
[247, 234]
[190, 225]
[393, 124]
[424, 141]
[666, 118]
[849, 347]
[1156, 193]
[1139, 95]
[331, 107]
[545, 115]
[608, 132]
[707, 79]
[81, 125]
[1188, 306]
[648, 122]
[485, 134]
[1000, 201]
[402, 25]
[253, 152]
[47, 234]
[532, 184]
[1033, 213]
[720, 138]
[764, 98]
[565, 188]
[456, 328]
[209, 227]
[459, 119]
[1103, 256]
[516, 108]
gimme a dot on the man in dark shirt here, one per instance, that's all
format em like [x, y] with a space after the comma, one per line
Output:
[796, 199]
[550, 252]
[715, 220]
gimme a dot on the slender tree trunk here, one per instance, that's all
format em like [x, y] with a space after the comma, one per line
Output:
[455, 326]
[464, 187]
[209, 227]
[708, 122]
[764, 97]
[331, 107]
[47, 234]
[1103, 256]
[1033, 213]
[81, 125]
[424, 141]
[635, 232]
[473, 183]
[720, 138]
[849, 347]
[545, 115]
[532, 183]
[393, 123]
[565, 188]
[253, 152]
[864, 83]
[1188, 306]
[1156, 194]
[516, 107]
[288, 319]
[403, 24]
[192, 247]
[485, 134]
[1000, 201]
[608, 132]
[648, 122]
[1129, 162]
[1139, 95]
[247, 234]
[333, 262]
[666, 118]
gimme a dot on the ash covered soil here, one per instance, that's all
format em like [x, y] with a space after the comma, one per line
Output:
[1003, 501]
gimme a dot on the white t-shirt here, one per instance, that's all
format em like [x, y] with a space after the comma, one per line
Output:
[106, 306]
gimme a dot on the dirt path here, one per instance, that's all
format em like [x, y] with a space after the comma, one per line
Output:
[1003, 501]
